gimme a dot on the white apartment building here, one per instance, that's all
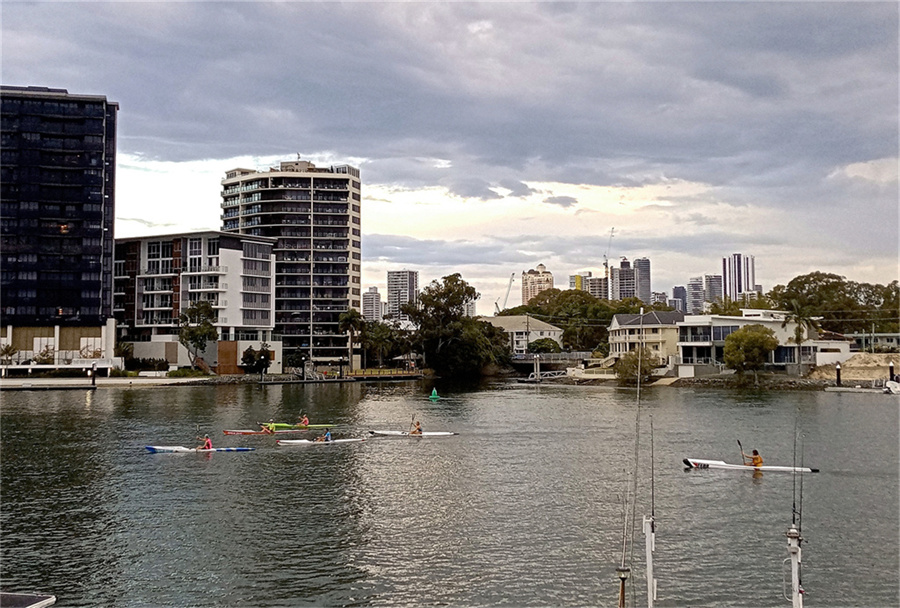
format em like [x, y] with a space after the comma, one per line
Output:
[402, 288]
[314, 215]
[157, 278]
[372, 307]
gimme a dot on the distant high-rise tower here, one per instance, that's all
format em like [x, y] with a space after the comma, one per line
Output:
[535, 281]
[598, 287]
[314, 213]
[579, 281]
[371, 305]
[739, 275]
[622, 281]
[679, 293]
[712, 288]
[402, 288]
[695, 296]
[642, 279]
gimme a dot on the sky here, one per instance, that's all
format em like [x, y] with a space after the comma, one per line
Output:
[493, 137]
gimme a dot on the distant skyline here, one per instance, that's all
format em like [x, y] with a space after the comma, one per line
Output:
[493, 137]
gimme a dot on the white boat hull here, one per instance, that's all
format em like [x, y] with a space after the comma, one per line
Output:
[313, 442]
[407, 434]
[697, 463]
[181, 449]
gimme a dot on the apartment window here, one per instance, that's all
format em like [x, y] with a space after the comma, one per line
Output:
[195, 247]
[212, 247]
[153, 248]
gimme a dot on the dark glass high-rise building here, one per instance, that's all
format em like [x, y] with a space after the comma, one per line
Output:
[57, 203]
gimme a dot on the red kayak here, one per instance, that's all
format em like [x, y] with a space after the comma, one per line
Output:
[275, 432]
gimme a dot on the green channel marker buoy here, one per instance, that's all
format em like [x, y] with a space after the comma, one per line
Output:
[434, 394]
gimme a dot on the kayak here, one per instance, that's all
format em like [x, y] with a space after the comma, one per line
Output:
[695, 463]
[179, 448]
[312, 442]
[408, 434]
[287, 425]
[252, 432]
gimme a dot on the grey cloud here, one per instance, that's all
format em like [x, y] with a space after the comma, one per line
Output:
[561, 201]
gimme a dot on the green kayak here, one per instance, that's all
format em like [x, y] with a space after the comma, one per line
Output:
[285, 425]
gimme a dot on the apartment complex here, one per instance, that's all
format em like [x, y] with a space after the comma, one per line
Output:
[642, 279]
[622, 281]
[158, 278]
[372, 306]
[57, 192]
[739, 276]
[313, 213]
[402, 288]
[535, 281]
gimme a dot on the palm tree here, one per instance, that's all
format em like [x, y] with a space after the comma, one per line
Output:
[806, 324]
[6, 353]
[351, 322]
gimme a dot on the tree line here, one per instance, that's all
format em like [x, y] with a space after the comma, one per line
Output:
[441, 337]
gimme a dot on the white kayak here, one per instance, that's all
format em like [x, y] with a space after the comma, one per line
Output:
[696, 463]
[313, 442]
[180, 448]
[408, 434]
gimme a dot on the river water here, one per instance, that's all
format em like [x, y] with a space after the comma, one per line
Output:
[526, 506]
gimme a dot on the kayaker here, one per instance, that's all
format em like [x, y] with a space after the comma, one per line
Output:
[326, 436]
[304, 420]
[207, 443]
[755, 459]
[417, 430]
[268, 427]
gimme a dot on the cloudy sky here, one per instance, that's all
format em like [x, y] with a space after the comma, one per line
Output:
[493, 137]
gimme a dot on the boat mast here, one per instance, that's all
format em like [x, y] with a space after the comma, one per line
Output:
[794, 538]
[650, 531]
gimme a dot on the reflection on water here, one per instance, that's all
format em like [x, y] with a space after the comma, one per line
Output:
[524, 507]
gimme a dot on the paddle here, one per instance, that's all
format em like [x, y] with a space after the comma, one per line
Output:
[412, 421]
[743, 460]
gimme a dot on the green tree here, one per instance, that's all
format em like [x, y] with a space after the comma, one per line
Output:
[195, 329]
[353, 323]
[451, 343]
[544, 345]
[748, 349]
[380, 338]
[628, 365]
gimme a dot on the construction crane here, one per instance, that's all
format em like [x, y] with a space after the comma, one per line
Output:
[497, 308]
[606, 254]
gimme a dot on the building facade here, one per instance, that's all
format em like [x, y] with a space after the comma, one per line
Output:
[534, 281]
[158, 278]
[642, 279]
[314, 215]
[402, 288]
[739, 276]
[57, 193]
[622, 283]
[524, 329]
[712, 288]
[655, 331]
[372, 307]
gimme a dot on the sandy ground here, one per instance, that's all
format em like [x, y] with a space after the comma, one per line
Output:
[861, 366]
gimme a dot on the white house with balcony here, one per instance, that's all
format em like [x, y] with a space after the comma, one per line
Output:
[524, 329]
[701, 343]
